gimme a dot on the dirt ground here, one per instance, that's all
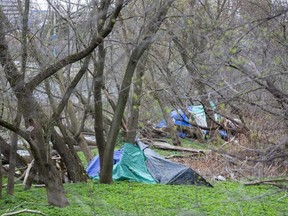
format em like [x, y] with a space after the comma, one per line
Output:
[215, 164]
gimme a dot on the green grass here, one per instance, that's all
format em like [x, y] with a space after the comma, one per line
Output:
[126, 198]
[83, 159]
[188, 143]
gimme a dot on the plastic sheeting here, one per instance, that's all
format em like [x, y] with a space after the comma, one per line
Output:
[168, 172]
[197, 113]
[93, 167]
[132, 166]
[179, 118]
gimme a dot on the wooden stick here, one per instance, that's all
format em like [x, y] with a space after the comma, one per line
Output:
[167, 146]
[269, 182]
[28, 171]
[23, 211]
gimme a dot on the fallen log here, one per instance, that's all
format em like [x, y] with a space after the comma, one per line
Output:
[272, 182]
[266, 181]
[166, 146]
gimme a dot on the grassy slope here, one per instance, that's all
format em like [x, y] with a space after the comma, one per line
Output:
[124, 198]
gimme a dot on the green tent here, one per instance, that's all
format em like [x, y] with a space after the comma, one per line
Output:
[132, 166]
[139, 163]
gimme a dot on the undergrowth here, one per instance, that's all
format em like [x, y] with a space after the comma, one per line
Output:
[126, 198]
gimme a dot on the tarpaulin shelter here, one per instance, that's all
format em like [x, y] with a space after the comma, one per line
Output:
[93, 167]
[139, 163]
[197, 113]
[180, 119]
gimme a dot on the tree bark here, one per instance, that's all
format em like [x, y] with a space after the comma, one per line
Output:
[13, 154]
[148, 38]
[71, 113]
[68, 154]
[5, 147]
[169, 122]
[75, 169]
[136, 101]
[98, 120]
[28, 105]
[1, 177]
[41, 153]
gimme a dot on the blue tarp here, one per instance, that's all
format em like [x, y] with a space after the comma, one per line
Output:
[197, 113]
[179, 118]
[93, 167]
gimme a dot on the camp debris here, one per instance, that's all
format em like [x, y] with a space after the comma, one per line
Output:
[139, 163]
[196, 112]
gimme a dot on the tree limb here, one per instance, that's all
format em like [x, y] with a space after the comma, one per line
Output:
[97, 39]
[24, 211]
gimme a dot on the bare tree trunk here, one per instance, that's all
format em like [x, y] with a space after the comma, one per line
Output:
[98, 85]
[41, 153]
[113, 106]
[75, 169]
[169, 122]
[5, 147]
[136, 100]
[148, 37]
[1, 177]
[13, 154]
[17, 121]
[98, 105]
[68, 154]
[28, 105]
[75, 128]
[75, 122]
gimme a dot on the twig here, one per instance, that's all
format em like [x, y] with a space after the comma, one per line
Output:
[39, 185]
[166, 146]
[17, 206]
[176, 156]
[269, 182]
[23, 211]
[27, 171]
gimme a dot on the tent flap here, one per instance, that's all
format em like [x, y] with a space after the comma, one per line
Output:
[132, 166]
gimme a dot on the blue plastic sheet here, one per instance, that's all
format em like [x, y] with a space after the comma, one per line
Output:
[197, 113]
[179, 118]
[93, 168]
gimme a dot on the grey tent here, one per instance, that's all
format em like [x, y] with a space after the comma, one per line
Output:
[167, 172]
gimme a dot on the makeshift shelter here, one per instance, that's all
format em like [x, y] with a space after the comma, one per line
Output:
[139, 163]
[197, 113]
